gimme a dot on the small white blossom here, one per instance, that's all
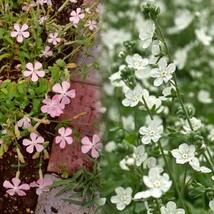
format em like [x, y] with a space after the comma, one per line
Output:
[137, 62]
[211, 205]
[110, 146]
[133, 97]
[115, 78]
[151, 133]
[203, 37]
[163, 73]
[196, 125]
[194, 163]
[123, 197]
[171, 208]
[123, 164]
[204, 97]
[147, 32]
[151, 100]
[158, 184]
[139, 155]
[184, 153]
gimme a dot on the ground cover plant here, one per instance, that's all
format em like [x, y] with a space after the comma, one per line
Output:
[158, 155]
[38, 41]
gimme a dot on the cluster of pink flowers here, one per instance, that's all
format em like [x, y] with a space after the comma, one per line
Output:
[14, 187]
[55, 106]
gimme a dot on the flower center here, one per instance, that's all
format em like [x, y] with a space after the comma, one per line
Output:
[136, 64]
[152, 133]
[164, 73]
[157, 184]
[185, 156]
[123, 198]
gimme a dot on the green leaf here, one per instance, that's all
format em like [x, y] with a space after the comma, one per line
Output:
[6, 55]
[24, 55]
[60, 63]
[84, 72]
[21, 89]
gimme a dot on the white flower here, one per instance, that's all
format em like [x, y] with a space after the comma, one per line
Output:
[139, 155]
[137, 62]
[151, 133]
[123, 197]
[150, 162]
[151, 100]
[163, 73]
[204, 97]
[110, 146]
[133, 97]
[183, 19]
[194, 163]
[157, 184]
[170, 208]
[128, 122]
[147, 32]
[155, 47]
[184, 153]
[211, 205]
[123, 164]
[115, 78]
[203, 37]
[196, 125]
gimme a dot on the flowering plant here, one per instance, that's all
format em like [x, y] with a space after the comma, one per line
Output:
[158, 153]
[38, 43]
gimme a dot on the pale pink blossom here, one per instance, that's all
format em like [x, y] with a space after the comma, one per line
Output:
[20, 32]
[35, 142]
[94, 146]
[64, 137]
[41, 2]
[33, 71]
[91, 24]
[75, 16]
[42, 19]
[73, 1]
[64, 94]
[25, 123]
[15, 187]
[53, 38]
[42, 185]
[87, 10]
[1, 142]
[53, 107]
[47, 52]
[28, 7]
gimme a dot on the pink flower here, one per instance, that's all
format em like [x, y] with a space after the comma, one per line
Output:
[52, 106]
[73, 1]
[63, 91]
[94, 146]
[42, 185]
[41, 2]
[53, 38]
[91, 24]
[20, 32]
[64, 138]
[76, 16]
[27, 7]
[25, 123]
[15, 188]
[47, 52]
[35, 142]
[34, 71]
